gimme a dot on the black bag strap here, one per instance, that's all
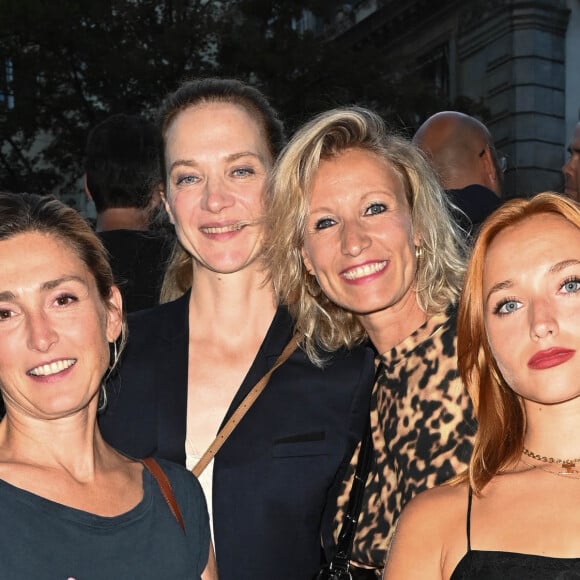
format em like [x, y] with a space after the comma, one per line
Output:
[341, 559]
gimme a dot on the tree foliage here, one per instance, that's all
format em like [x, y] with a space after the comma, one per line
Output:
[308, 69]
[75, 62]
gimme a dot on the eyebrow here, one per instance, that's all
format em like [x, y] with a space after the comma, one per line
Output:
[558, 267]
[49, 285]
[323, 209]
[572, 149]
[229, 159]
[497, 287]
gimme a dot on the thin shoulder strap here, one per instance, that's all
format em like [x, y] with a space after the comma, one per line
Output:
[165, 488]
[242, 409]
[469, 500]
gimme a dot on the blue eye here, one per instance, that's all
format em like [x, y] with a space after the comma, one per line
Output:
[324, 223]
[571, 286]
[187, 180]
[243, 172]
[507, 306]
[375, 208]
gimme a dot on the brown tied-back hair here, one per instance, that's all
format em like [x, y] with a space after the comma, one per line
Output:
[179, 274]
[499, 441]
[23, 213]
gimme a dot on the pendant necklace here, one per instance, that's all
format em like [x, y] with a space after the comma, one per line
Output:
[568, 465]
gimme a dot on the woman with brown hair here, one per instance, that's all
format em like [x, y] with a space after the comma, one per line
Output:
[519, 355]
[73, 506]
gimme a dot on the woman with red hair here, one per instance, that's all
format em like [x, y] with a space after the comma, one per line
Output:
[514, 513]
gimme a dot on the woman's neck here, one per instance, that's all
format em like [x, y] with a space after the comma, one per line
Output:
[552, 430]
[72, 443]
[231, 305]
[389, 327]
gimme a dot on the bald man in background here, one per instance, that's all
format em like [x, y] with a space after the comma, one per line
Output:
[461, 150]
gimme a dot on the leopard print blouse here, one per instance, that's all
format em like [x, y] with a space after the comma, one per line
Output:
[422, 428]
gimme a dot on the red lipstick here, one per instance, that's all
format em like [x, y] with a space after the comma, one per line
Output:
[551, 357]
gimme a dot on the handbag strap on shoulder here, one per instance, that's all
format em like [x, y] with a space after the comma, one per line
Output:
[242, 409]
[165, 487]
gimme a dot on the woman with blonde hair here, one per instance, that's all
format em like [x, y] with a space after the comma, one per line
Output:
[519, 337]
[363, 245]
[190, 363]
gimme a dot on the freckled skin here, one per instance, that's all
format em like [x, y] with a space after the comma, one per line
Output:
[533, 305]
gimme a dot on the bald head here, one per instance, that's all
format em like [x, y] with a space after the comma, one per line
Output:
[460, 149]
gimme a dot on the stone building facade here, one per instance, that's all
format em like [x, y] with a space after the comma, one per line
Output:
[519, 58]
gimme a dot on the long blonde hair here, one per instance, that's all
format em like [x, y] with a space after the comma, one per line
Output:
[440, 269]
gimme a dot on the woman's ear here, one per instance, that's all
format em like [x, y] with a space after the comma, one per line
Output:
[114, 315]
[307, 262]
[157, 197]
[163, 195]
[490, 170]
[417, 239]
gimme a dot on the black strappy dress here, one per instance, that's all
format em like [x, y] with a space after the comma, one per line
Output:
[491, 565]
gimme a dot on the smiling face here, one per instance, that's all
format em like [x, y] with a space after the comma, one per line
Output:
[359, 240]
[216, 162]
[531, 291]
[54, 328]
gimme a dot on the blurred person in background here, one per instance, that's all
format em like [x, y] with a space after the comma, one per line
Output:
[122, 179]
[461, 150]
[571, 168]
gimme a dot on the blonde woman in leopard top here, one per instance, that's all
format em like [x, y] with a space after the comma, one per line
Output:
[514, 514]
[372, 251]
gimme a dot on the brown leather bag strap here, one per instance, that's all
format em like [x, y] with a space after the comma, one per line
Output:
[242, 409]
[165, 487]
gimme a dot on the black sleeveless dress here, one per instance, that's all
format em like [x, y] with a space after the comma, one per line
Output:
[490, 565]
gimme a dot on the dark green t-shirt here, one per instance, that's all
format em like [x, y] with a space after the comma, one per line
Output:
[44, 540]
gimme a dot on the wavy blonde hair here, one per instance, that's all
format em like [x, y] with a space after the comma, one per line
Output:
[501, 418]
[441, 266]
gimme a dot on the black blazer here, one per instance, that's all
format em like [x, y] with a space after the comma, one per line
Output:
[275, 479]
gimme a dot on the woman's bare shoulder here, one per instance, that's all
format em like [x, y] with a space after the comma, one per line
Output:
[435, 513]
[428, 539]
[444, 501]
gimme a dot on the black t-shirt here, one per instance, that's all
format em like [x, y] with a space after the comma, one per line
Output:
[138, 260]
[476, 203]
